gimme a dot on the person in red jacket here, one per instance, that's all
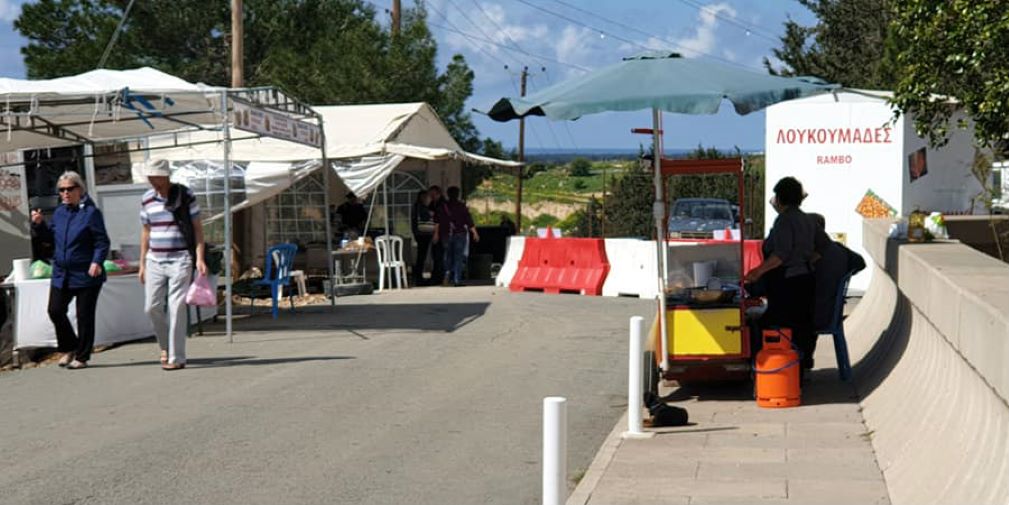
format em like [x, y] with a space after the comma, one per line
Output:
[80, 244]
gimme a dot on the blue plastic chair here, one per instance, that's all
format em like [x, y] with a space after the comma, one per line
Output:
[279, 261]
[836, 329]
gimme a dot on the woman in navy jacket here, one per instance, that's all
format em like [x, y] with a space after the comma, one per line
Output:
[81, 245]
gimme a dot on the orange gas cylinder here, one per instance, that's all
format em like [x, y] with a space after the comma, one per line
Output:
[777, 371]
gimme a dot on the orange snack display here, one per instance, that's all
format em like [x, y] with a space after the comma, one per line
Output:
[872, 207]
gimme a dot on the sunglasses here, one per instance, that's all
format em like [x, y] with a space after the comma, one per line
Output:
[68, 189]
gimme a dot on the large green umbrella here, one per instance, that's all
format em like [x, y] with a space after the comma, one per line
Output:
[667, 82]
[660, 82]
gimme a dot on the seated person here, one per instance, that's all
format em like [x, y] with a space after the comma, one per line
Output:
[832, 262]
[352, 214]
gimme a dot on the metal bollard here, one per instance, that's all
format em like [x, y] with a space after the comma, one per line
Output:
[555, 450]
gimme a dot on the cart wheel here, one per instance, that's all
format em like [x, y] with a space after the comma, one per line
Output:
[649, 375]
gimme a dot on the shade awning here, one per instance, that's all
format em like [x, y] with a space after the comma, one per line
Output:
[663, 81]
[102, 105]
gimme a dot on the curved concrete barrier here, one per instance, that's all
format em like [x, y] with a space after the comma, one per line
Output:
[516, 246]
[930, 343]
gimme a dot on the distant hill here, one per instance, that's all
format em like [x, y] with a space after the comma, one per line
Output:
[566, 155]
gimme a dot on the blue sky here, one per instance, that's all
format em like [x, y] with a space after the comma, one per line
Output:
[576, 35]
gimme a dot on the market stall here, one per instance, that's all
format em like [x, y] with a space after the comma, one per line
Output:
[659, 82]
[108, 106]
[386, 151]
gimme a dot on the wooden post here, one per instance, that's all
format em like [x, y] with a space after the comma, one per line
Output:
[522, 157]
[237, 46]
[396, 16]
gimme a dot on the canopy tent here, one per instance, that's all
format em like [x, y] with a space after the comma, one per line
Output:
[110, 105]
[364, 143]
[660, 82]
[101, 105]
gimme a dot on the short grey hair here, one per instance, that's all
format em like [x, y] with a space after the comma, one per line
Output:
[74, 177]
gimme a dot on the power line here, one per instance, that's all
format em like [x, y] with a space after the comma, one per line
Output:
[467, 18]
[593, 28]
[750, 29]
[477, 46]
[629, 41]
[502, 30]
[481, 39]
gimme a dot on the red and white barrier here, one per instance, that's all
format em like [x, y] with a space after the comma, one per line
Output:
[516, 246]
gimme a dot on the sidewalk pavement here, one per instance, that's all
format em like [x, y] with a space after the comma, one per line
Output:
[735, 452]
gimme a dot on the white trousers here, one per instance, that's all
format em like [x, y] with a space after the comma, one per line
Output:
[169, 277]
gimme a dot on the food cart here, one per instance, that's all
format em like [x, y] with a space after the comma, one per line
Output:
[707, 336]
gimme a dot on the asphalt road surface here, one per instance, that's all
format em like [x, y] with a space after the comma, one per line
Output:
[428, 396]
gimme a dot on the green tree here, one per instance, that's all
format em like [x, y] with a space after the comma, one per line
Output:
[321, 51]
[580, 167]
[585, 222]
[629, 207]
[954, 49]
[851, 44]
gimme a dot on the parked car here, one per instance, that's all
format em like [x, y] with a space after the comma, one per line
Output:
[700, 215]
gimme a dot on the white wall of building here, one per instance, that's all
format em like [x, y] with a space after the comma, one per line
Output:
[842, 145]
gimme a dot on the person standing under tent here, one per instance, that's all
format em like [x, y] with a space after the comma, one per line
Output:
[437, 248]
[422, 224]
[353, 215]
[80, 245]
[171, 243]
[787, 271]
[455, 225]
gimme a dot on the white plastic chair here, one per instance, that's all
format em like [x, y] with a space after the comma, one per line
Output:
[390, 257]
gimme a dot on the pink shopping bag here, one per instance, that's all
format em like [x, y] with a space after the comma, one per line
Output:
[201, 293]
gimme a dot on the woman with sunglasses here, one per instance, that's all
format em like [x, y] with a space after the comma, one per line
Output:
[81, 245]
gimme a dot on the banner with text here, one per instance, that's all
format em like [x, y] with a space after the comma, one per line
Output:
[250, 118]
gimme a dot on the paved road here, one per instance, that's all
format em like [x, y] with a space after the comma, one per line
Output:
[422, 397]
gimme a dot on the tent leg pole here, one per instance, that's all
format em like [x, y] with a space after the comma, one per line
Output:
[329, 217]
[227, 218]
[659, 212]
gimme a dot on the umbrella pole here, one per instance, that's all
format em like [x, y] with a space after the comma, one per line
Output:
[659, 212]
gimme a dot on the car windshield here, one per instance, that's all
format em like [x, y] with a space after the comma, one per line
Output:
[702, 210]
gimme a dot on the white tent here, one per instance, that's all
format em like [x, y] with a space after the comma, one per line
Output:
[364, 143]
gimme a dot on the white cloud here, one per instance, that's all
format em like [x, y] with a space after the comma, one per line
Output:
[703, 40]
[10, 10]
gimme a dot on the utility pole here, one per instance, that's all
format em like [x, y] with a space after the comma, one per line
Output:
[396, 12]
[237, 46]
[522, 157]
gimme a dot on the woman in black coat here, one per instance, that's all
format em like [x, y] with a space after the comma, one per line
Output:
[80, 247]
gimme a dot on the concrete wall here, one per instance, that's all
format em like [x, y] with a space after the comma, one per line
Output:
[930, 344]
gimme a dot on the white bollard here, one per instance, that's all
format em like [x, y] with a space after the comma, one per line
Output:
[555, 450]
[634, 393]
[634, 380]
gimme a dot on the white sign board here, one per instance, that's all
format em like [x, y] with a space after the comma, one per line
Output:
[14, 228]
[851, 155]
[250, 118]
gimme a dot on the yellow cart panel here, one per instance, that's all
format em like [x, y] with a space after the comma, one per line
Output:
[702, 331]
